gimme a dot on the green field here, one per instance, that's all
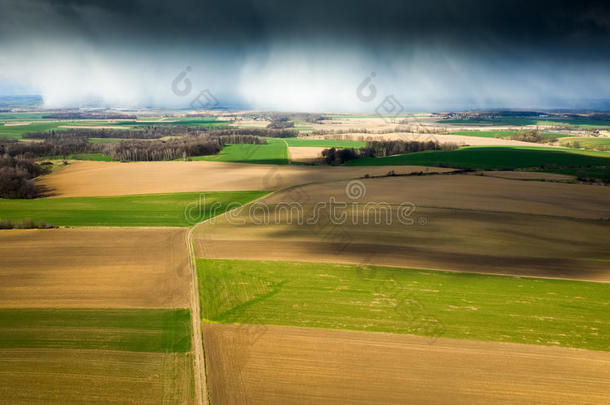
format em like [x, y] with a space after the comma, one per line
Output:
[137, 330]
[323, 143]
[16, 131]
[494, 157]
[421, 302]
[135, 210]
[98, 157]
[38, 124]
[588, 143]
[273, 152]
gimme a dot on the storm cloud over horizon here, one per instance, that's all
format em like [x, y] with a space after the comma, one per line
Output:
[308, 56]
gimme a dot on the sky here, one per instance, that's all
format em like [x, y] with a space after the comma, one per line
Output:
[331, 55]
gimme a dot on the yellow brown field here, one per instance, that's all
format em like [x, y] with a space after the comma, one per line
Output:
[94, 268]
[286, 365]
[305, 154]
[112, 178]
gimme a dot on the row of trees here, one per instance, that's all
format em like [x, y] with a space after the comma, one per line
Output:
[152, 132]
[280, 124]
[532, 135]
[334, 156]
[58, 146]
[164, 150]
[17, 178]
[264, 132]
[414, 129]
[178, 148]
[65, 143]
[389, 148]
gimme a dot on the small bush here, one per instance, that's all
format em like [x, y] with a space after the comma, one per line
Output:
[6, 224]
[24, 224]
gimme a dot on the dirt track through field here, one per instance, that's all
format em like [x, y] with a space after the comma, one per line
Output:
[286, 365]
[94, 268]
[83, 178]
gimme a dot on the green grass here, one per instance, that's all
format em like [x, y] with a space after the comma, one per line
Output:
[98, 157]
[588, 143]
[421, 302]
[134, 210]
[273, 152]
[324, 143]
[16, 131]
[494, 157]
[138, 330]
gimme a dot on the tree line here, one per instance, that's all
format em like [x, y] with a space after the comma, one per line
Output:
[179, 148]
[533, 135]
[17, 178]
[76, 141]
[335, 156]
[264, 132]
[154, 132]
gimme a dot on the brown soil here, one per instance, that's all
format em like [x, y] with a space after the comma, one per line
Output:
[487, 225]
[94, 268]
[112, 178]
[528, 175]
[305, 153]
[285, 365]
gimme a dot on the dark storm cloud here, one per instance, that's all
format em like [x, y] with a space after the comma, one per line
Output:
[459, 22]
[261, 53]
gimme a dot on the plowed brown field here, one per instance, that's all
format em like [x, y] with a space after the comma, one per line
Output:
[110, 178]
[294, 366]
[461, 222]
[94, 268]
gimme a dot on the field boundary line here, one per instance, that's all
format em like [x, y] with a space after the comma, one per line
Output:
[201, 391]
[288, 156]
[202, 396]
